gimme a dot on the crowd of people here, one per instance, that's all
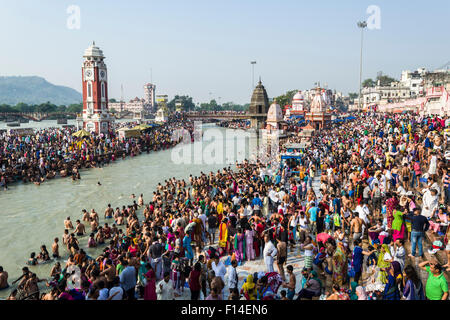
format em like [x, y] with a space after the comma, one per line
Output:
[53, 152]
[357, 207]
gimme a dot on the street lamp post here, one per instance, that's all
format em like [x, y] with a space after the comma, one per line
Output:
[362, 25]
[253, 73]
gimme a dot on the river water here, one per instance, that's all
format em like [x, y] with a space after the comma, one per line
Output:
[34, 215]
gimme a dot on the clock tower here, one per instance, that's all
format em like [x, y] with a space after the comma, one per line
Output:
[95, 117]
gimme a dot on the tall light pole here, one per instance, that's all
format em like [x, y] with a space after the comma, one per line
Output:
[362, 25]
[253, 73]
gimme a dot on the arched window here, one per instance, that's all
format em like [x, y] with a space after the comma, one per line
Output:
[89, 89]
[103, 89]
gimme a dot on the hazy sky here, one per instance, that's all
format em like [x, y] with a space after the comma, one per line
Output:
[199, 47]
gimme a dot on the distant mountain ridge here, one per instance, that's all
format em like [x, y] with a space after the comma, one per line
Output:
[35, 90]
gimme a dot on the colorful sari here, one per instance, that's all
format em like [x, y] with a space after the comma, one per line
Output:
[390, 206]
[223, 235]
[249, 288]
[239, 247]
[382, 264]
[150, 287]
[398, 226]
[339, 265]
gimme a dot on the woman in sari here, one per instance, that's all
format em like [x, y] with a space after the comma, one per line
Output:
[398, 225]
[249, 288]
[339, 262]
[391, 291]
[384, 263]
[239, 246]
[188, 254]
[353, 294]
[312, 288]
[170, 240]
[223, 234]
[150, 287]
[413, 288]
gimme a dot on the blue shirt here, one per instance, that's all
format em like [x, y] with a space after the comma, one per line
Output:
[277, 179]
[313, 214]
[128, 278]
[257, 201]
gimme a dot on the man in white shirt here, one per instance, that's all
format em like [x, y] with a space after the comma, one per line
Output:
[232, 276]
[281, 193]
[219, 268]
[430, 202]
[364, 213]
[202, 217]
[282, 207]
[398, 252]
[236, 200]
[164, 289]
[269, 253]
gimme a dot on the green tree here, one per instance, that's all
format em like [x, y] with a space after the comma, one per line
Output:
[61, 108]
[6, 108]
[186, 101]
[286, 98]
[75, 108]
[385, 80]
[369, 83]
[352, 95]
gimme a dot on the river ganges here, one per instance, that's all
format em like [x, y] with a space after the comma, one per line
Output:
[34, 215]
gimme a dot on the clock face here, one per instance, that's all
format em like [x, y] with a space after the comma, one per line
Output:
[88, 73]
[102, 74]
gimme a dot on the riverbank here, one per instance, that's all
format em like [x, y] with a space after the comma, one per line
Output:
[53, 152]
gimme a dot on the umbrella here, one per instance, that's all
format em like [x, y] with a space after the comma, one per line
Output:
[323, 237]
[81, 133]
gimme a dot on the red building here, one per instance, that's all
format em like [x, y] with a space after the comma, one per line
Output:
[95, 117]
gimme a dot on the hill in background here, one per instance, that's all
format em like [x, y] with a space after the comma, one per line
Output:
[35, 90]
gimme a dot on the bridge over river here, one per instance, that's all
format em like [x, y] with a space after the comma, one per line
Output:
[35, 116]
[257, 119]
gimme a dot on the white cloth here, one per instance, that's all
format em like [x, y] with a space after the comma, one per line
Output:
[269, 255]
[166, 293]
[433, 165]
[399, 255]
[232, 277]
[219, 270]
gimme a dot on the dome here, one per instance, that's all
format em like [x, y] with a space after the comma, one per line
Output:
[93, 51]
[275, 114]
[298, 101]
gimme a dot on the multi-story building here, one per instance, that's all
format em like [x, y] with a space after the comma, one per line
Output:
[410, 86]
[415, 81]
[434, 100]
[379, 95]
[146, 105]
[436, 79]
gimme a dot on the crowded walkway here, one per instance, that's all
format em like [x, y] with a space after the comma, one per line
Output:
[361, 215]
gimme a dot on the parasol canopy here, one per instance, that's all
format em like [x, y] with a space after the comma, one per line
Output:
[81, 134]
